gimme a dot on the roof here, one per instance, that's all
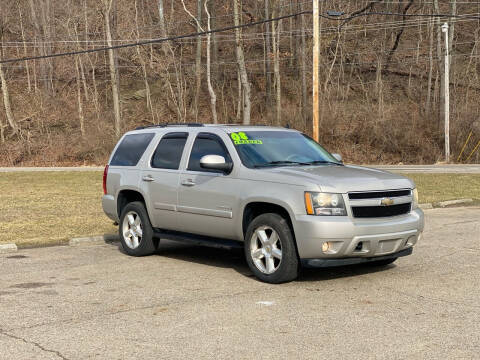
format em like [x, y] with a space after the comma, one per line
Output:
[225, 127]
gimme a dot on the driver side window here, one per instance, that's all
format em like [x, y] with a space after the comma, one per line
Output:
[206, 144]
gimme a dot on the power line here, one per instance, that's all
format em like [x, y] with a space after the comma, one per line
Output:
[229, 28]
[156, 41]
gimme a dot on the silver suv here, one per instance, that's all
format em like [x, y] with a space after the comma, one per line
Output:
[272, 191]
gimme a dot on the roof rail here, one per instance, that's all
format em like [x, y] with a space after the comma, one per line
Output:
[168, 124]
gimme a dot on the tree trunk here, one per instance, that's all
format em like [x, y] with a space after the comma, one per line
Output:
[241, 67]
[215, 70]
[198, 60]
[304, 71]
[113, 70]
[148, 95]
[276, 28]
[27, 67]
[213, 96]
[163, 28]
[430, 68]
[81, 116]
[6, 102]
[38, 35]
[440, 63]
[268, 40]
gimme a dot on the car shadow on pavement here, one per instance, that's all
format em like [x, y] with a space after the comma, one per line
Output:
[332, 273]
[235, 259]
[232, 259]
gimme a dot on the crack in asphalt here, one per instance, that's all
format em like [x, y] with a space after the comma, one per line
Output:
[36, 344]
[424, 297]
[110, 313]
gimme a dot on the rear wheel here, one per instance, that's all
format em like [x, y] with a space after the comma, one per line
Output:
[135, 230]
[270, 249]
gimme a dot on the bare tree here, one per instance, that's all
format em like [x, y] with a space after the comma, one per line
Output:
[198, 55]
[148, 94]
[268, 52]
[430, 68]
[27, 67]
[213, 96]
[276, 29]
[247, 106]
[113, 68]
[304, 70]
[6, 102]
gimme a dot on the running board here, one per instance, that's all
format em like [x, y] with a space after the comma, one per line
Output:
[198, 239]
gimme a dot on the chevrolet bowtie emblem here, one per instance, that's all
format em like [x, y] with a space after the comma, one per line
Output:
[387, 202]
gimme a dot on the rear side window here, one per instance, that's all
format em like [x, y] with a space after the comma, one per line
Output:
[131, 149]
[169, 151]
[206, 144]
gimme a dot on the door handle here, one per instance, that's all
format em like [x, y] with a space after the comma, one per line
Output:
[148, 178]
[188, 182]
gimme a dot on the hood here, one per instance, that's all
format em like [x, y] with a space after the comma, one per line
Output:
[343, 179]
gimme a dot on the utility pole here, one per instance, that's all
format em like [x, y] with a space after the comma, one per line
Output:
[316, 68]
[447, 94]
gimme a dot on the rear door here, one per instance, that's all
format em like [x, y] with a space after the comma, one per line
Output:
[206, 198]
[160, 180]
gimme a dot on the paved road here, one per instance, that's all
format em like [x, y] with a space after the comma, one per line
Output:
[191, 302]
[432, 169]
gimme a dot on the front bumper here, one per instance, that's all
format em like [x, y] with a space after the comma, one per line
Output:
[356, 238]
[319, 263]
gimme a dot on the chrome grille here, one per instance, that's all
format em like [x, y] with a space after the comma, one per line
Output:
[379, 204]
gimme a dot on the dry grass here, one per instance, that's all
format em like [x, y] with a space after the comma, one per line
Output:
[51, 207]
[441, 187]
[46, 208]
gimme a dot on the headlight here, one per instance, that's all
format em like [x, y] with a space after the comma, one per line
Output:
[415, 199]
[324, 204]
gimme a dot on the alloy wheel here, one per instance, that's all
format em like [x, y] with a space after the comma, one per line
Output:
[266, 249]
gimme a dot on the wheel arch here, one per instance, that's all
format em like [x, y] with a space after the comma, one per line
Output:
[258, 207]
[126, 196]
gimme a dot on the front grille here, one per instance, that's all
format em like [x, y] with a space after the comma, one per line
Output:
[380, 211]
[378, 194]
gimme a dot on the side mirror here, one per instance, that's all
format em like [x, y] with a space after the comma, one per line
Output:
[216, 162]
[338, 157]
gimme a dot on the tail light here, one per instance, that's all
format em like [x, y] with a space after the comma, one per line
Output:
[105, 174]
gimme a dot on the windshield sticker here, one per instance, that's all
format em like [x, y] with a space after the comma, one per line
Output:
[241, 138]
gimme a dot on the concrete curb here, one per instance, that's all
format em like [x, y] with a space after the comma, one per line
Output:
[426, 206]
[8, 248]
[443, 204]
[93, 240]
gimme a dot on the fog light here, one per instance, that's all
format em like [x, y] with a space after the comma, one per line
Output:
[412, 240]
[325, 247]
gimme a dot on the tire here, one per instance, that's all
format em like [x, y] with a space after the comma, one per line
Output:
[135, 222]
[286, 267]
[382, 262]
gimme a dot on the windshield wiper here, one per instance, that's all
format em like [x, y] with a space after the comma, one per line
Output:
[280, 163]
[318, 162]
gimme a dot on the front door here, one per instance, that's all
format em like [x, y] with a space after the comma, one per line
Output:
[206, 198]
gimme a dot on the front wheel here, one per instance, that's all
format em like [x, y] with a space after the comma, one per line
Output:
[135, 230]
[270, 249]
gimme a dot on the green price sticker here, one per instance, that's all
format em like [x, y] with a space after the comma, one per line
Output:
[240, 138]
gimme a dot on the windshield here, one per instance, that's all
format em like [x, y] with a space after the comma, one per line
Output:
[279, 148]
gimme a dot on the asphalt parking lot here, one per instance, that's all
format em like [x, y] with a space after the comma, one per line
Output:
[190, 302]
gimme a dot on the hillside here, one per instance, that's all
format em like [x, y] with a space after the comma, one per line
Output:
[381, 76]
